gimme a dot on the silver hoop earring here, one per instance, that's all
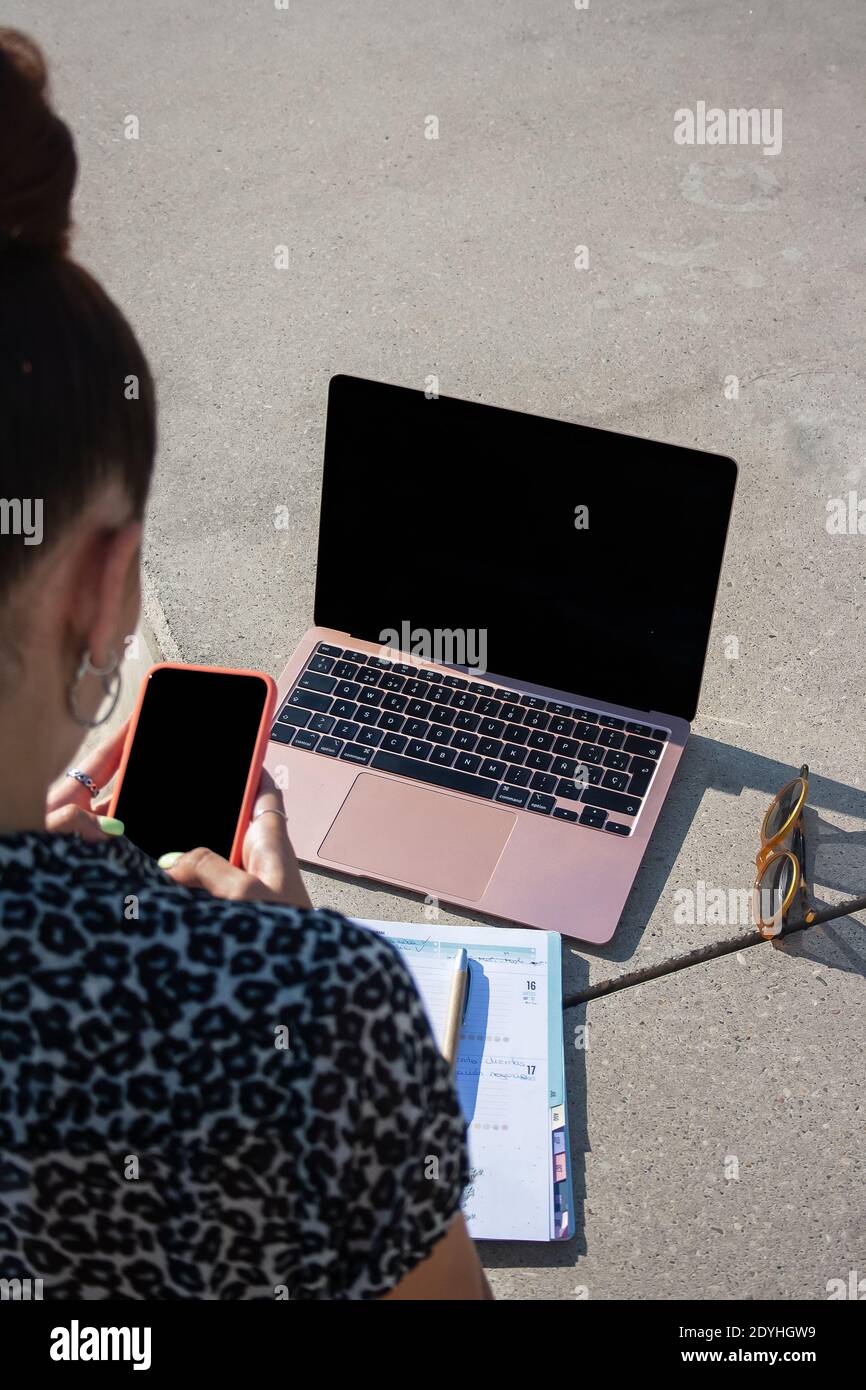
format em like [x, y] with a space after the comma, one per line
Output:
[110, 686]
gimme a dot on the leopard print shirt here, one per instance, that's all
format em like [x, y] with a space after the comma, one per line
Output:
[205, 1099]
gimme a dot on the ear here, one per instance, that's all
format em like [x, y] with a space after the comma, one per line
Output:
[112, 596]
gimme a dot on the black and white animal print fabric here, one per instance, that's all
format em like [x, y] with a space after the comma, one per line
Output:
[203, 1099]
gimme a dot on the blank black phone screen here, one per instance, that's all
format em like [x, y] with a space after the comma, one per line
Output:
[190, 760]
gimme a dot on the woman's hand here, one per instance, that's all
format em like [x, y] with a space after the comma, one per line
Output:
[69, 807]
[270, 873]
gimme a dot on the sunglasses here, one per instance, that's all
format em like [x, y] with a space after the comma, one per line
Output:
[780, 867]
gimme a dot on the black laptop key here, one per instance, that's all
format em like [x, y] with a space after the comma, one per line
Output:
[356, 753]
[325, 665]
[431, 675]
[478, 688]
[616, 759]
[589, 752]
[402, 668]
[343, 709]
[492, 768]
[505, 695]
[560, 725]
[647, 747]
[612, 801]
[456, 682]
[439, 695]
[391, 682]
[518, 776]
[538, 760]
[491, 728]
[367, 714]
[488, 707]
[461, 699]
[543, 804]
[641, 767]
[533, 701]
[379, 663]
[610, 721]
[416, 728]
[511, 711]
[568, 790]
[466, 762]
[394, 743]
[563, 813]
[593, 816]
[567, 747]
[638, 783]
[304, 739]
[611, 738]
[584, 729]
[395, 702]
[435, 775]
[347, 690]
[391, 722]
[467, 721]
[537, 739]
[345, 670]
[367, 675]
[489, 747]
[616, 827]
[513, 753]
[592, 776]
[370, 738]
[465, 741]
[327, 650]
[443, 757]
[359, 657]
[512, 796]
[439, 733]
[310, 699]
[418, 748]
[535, 719]
[543, 782]
[298, 717]
[515, 733]
[368, 695]
[416, 690]
[322, 723]
[556, 707]
[660, 735]
[344, 729]
[282, 733]
[643, 729]
[441, 714]
[331, 747]
[419, 709]
[616, 781]
[564, 767]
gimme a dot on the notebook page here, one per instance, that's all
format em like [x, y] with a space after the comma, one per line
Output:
[502, 1066]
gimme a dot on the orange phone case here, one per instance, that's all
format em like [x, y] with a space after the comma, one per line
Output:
[255, 771]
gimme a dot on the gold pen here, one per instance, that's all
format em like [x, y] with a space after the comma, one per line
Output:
[456, 1005]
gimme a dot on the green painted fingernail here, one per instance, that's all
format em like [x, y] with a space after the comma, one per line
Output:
[110, 825]
[168, 861]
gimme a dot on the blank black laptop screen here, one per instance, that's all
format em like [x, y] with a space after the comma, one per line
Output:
[575, 558]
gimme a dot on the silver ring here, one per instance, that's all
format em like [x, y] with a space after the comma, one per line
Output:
[270, 811]
[85, 781]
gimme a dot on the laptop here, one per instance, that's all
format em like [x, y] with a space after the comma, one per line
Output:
[511, 621]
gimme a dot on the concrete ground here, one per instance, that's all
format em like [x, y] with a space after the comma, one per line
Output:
[717, 1116]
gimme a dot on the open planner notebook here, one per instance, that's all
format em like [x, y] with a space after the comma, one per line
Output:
[510, 1070]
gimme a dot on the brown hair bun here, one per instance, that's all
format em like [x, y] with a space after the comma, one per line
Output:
[37, 154]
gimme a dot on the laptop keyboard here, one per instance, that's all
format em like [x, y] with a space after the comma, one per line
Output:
[553, 759]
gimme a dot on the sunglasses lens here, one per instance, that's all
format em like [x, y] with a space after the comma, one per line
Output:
[783, 808]
[773, 887]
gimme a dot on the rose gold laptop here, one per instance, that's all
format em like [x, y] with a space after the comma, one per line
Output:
[512, 616]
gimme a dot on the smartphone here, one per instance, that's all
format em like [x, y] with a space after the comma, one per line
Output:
[193, 758]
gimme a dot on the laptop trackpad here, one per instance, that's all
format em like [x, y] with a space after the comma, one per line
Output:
[396, 830]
